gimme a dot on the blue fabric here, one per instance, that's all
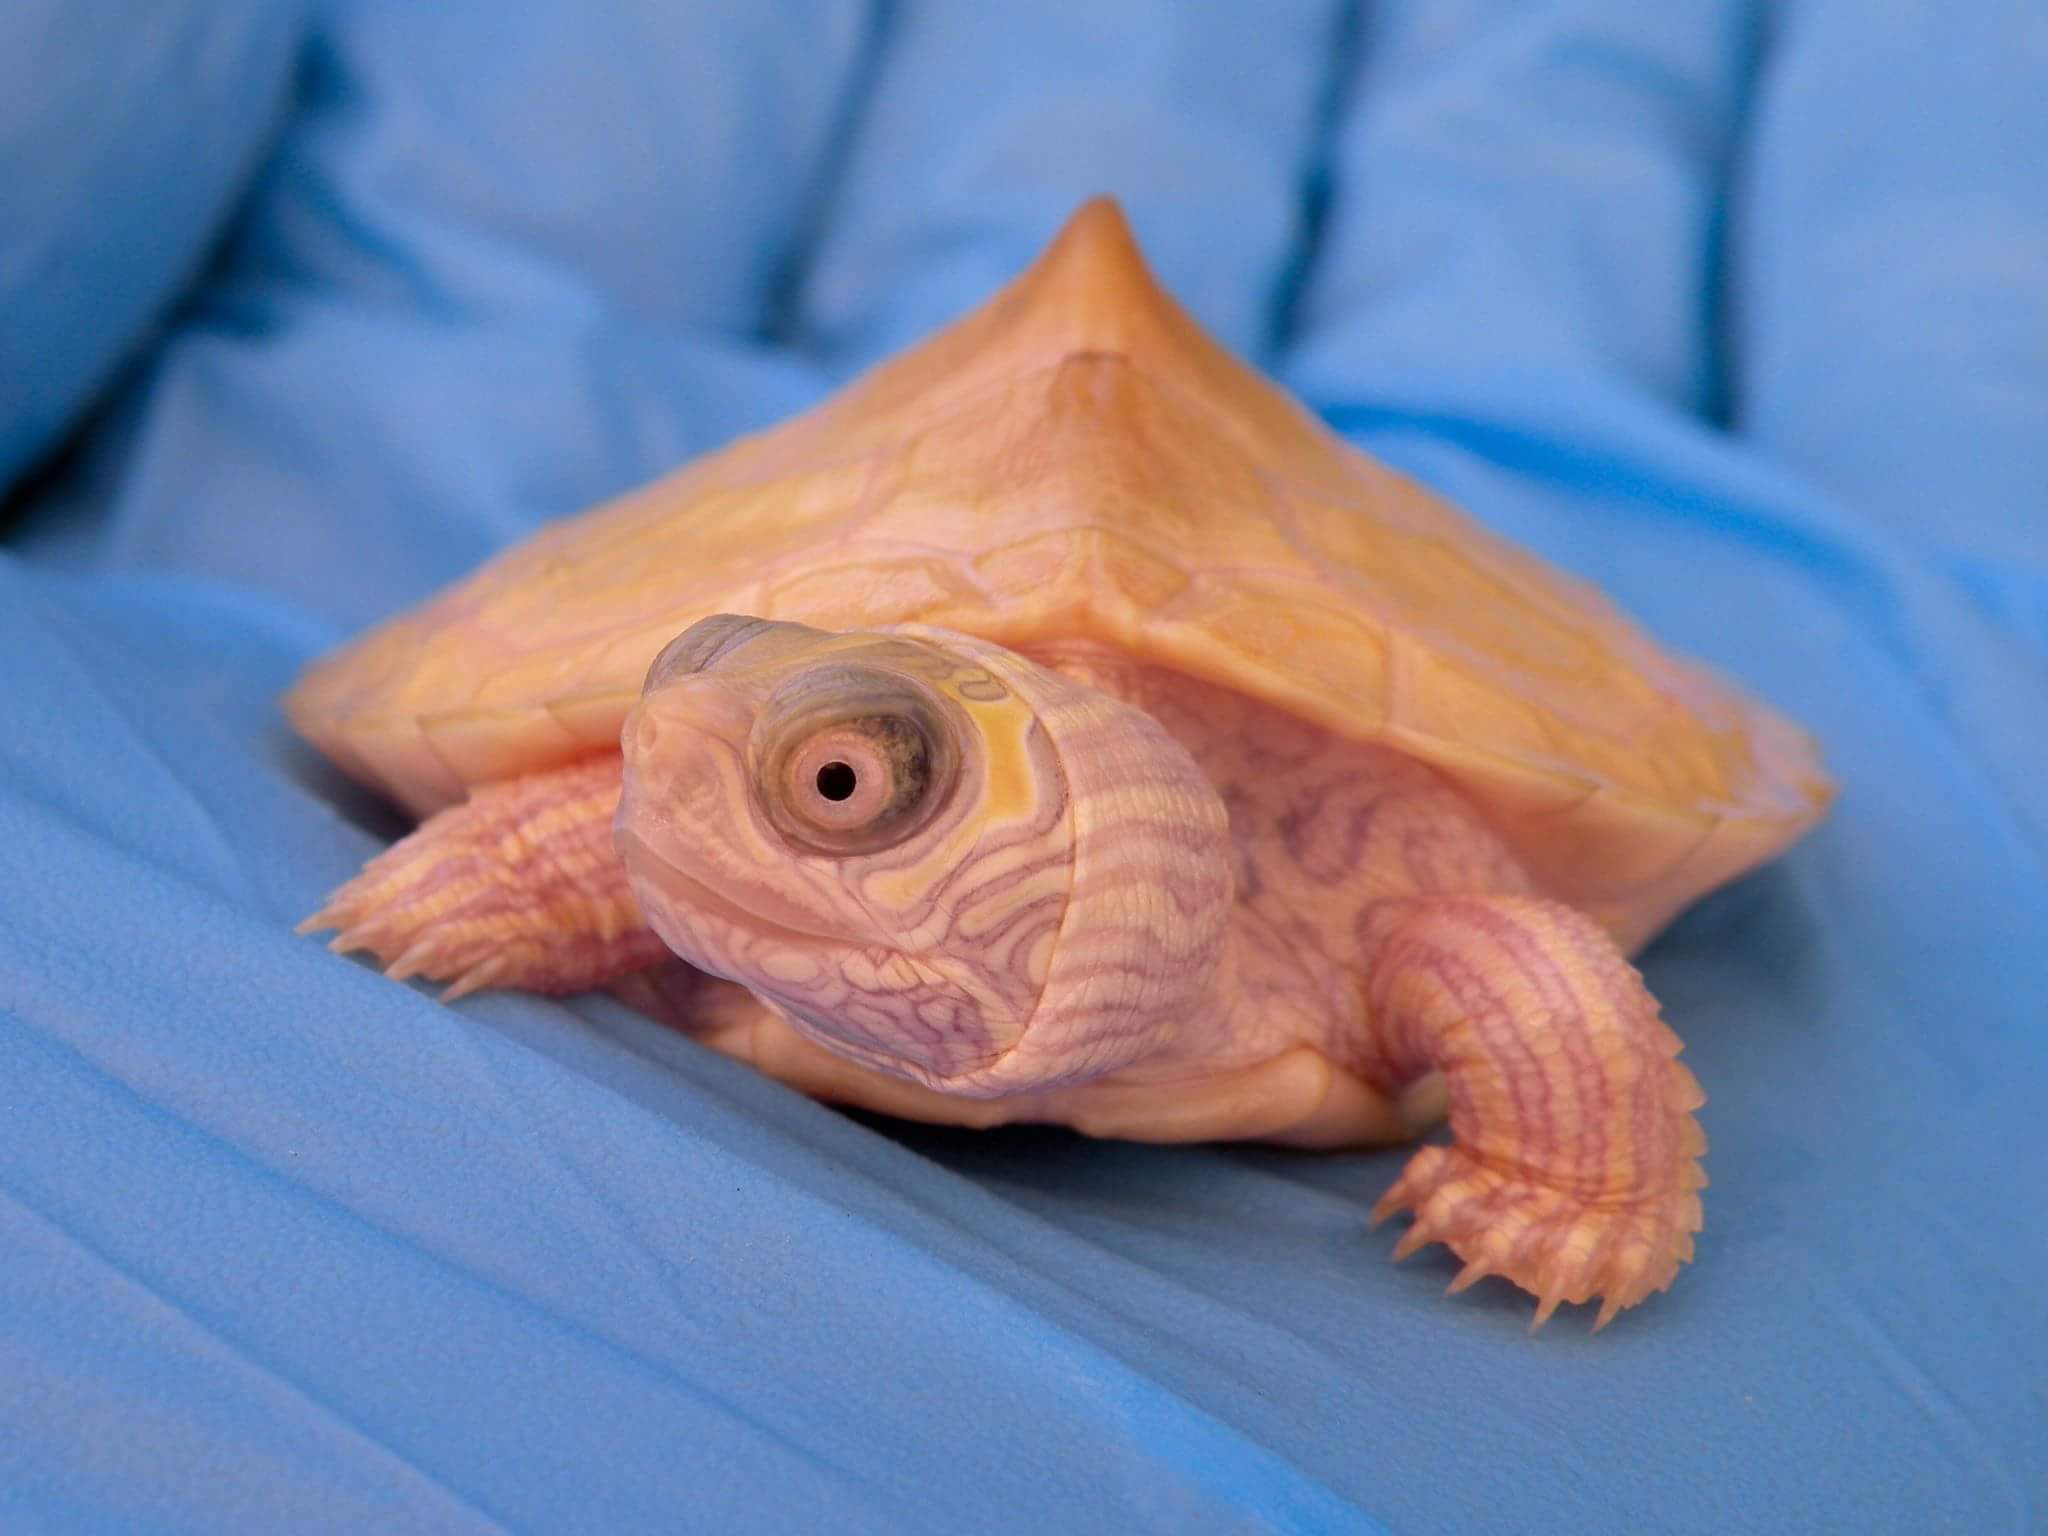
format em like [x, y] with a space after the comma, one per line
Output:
[1740, 310]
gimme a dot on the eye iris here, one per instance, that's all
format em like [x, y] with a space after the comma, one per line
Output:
[845, 762]
[837, 781]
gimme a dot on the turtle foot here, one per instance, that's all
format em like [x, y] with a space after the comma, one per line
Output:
[1557, 1245]
[516, 887]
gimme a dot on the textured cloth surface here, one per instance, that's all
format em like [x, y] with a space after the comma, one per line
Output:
[1739, 310]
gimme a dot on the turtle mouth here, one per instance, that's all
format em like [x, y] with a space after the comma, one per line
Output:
[684, 896]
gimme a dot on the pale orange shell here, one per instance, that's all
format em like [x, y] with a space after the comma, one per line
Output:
[1077, 459]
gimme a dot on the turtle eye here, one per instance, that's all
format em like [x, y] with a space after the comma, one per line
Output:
[842, 775]
[859, 775]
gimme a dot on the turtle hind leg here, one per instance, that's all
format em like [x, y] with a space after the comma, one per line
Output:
[516, 887]
[1573, 1169]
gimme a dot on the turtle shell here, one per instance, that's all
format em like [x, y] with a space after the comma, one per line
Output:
[1077, 460]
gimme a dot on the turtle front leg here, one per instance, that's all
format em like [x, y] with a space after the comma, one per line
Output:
[1573, 1170]
[518, 886]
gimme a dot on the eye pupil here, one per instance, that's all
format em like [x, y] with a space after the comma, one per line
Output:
[837, 781]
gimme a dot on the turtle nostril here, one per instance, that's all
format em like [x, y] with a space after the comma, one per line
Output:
[837, 781]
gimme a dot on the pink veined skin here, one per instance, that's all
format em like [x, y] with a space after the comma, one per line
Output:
[1160, 765]
[1148, 907]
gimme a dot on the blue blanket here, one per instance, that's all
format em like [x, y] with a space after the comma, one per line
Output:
[1740, 310]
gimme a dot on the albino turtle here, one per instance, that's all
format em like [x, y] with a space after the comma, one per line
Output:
[1060, 724]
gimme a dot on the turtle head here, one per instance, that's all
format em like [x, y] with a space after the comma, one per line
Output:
[926, 853]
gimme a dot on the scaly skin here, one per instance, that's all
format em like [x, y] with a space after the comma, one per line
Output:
[1054, 918]
[1380, 938]
[1380, 918]
[1156, 908]
[516, 887]
[1574, 1169]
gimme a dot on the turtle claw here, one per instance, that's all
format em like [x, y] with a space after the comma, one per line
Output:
[1554, 1244]
[1470, 1276]
[351, 914]
[362, 938]
[420, 956]
[1416, 1238]
[478, 978]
